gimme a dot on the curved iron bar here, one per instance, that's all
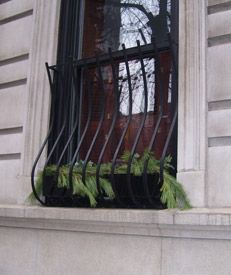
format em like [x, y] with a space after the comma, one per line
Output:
[84, 131]
[117, 90]
[160, 115]
[173, 124]
[52, 90]
[73, 131]
[113, 167]
[174, 120]
[102, 107]
[115, 115]
[62, 128]
[135, 201]
[59, 136]
[130, 190]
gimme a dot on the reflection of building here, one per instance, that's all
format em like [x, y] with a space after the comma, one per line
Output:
[84, 241]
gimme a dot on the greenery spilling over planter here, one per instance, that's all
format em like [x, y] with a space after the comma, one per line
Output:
[172, 192]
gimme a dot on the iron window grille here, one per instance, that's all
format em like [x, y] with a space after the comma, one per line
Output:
[83, 90]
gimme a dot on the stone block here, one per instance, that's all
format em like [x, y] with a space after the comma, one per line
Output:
[217, 2]
[10, 143]
[13, 71]
[219, 123]
[18, 250]
[15, 38]
[193, 182]
[219, 167]
[15, 7]
[12, 106]
[218, 73]
[219, 23]
[195, 257]
[81, 253]
[9, 168]
[10, 181]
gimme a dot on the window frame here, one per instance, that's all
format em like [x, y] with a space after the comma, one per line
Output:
[192, 139]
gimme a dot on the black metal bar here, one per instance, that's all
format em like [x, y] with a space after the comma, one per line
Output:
[73, 130]
[46, 138]
[166, 146]
[127, 122]
[115, 115]
[174, 120]
[61, 131]
[136, 202]
[130, 190]
[89, 97]
[118, 56]
[117, 93]
[159, 78]
[102, 108]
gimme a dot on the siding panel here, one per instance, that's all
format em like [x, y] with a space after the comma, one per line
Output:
[17, 38]
[13, 71]
[10, 143]
[12, 106]
[219, 123]
[219, 23]
[219, 167]
[219, 72]
[15, 7]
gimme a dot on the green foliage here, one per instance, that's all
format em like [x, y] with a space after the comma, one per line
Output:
[38, 187]
[172, 192]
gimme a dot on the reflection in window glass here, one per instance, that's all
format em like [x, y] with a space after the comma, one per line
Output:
[111, 23]
[137, 84]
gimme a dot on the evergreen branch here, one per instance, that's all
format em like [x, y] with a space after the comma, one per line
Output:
[172, 192]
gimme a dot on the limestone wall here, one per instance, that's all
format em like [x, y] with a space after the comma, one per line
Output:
[219, 103]
[16, 19]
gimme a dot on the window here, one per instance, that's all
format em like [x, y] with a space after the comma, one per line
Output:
[114, 89]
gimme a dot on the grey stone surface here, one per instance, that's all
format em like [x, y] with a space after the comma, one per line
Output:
[98, 254]
[18, 250]
[12, 106]
[43, 49]
[17, 38]
[196, 257]
[219, 23]
[10, 143]
[13, 71]
[218, 73]
[192, 139]
[219, 123]
[15, 7]
[9, 168]
[197, 241]
[9, 181]
[217, 2]
[219, 167]
[194, 185]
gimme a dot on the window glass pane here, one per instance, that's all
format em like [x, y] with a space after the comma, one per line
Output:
[111, 23]
[106, 98]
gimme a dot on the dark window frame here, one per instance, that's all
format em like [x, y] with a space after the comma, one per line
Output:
[69, 24]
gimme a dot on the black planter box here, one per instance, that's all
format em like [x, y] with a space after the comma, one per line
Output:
[55, 196]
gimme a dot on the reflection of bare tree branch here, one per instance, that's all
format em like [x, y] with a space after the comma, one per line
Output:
[137, 86]
[136, 21]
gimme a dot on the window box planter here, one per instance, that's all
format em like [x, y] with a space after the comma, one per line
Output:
[59, 196]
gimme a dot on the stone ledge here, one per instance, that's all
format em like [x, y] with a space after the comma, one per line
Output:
[196, 223]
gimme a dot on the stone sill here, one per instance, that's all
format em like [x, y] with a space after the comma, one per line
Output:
[195, 223]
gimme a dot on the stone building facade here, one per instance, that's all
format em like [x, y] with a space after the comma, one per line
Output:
[40, 240]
